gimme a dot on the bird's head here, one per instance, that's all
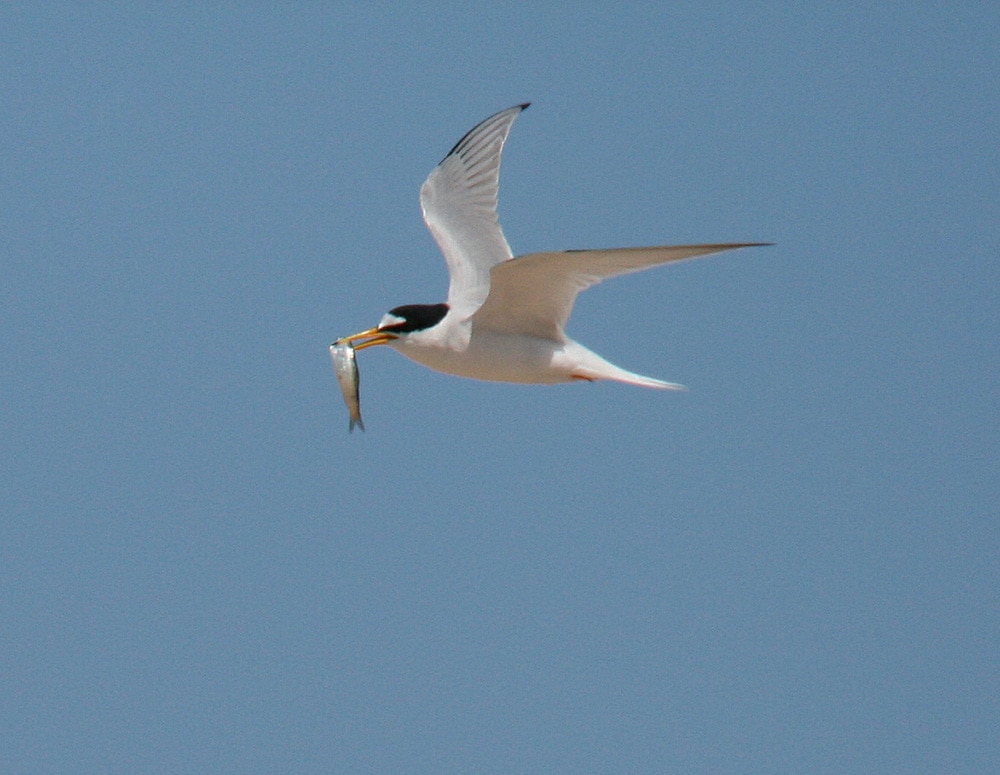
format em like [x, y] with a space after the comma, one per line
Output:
[399, 323]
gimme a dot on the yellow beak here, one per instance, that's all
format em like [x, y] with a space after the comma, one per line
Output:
[372, 335]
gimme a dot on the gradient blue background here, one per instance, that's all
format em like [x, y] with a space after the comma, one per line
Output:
[794, 567]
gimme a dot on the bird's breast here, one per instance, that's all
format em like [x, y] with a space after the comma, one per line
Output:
[489, 355]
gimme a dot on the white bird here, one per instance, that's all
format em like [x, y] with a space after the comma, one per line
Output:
[505, 317]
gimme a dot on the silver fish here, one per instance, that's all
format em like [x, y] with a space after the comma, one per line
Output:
[346, 366]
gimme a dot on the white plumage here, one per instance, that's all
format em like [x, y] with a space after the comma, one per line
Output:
[505, 317]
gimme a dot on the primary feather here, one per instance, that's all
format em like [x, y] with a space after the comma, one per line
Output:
[459, 203]
[534, 294]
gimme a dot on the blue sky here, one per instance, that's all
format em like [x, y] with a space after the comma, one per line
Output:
[793, 567]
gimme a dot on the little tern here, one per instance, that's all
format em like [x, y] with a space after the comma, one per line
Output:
[504, 317]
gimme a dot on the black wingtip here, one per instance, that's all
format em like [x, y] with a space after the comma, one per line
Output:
[458, 145]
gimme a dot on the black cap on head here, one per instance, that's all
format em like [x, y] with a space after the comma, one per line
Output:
[415, 317]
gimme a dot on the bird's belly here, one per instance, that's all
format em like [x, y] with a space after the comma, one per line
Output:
[497, 358]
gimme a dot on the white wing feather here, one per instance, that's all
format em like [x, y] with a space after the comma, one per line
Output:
[459, 203]
[533, 295]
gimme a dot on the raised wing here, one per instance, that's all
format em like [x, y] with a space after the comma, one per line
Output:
[534, 294]
[459, 202]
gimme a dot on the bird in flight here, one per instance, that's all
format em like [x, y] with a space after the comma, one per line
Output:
[505, 317]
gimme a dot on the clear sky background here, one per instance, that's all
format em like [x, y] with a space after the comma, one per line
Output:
[793, 567]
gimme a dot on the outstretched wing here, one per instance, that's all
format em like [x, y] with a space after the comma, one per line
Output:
[534, 294]
[459, 202]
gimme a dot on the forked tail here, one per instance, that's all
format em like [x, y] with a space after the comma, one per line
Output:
[591, 366]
